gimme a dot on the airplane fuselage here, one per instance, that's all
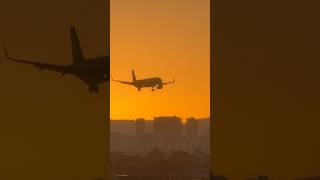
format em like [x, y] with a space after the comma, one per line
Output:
[93, 72]
[150, 82]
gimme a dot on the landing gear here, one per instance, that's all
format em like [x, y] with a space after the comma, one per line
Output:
[139, 89]
[94, 89]
[152, 89]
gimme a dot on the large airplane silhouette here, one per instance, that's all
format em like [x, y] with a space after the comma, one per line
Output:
[93, 71]
[149, 82]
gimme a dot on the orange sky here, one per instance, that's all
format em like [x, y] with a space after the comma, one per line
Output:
[165, 38]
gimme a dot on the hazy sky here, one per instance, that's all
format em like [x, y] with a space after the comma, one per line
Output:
[169, 39]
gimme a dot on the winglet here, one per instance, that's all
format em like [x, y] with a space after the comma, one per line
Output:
[6, 51]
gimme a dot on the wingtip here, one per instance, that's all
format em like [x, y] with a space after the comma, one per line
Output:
[6, 51]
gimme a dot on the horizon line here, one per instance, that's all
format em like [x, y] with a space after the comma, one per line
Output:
[134, 119]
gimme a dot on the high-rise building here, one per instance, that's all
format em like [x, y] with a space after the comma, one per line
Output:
[140, 127]
[167, 132]
[192, 127]
[141, 136]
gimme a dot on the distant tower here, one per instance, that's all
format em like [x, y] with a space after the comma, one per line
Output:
[167, 132]
[140, 127]
[192, 127]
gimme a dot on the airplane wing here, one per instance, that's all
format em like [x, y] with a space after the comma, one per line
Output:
[124, 82]
[169, 82]
[41, 66]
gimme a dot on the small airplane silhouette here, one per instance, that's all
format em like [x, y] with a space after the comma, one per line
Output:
[93, 71]
[149, 82]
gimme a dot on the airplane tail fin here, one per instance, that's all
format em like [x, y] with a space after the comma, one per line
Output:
[76, 47]
[133, 76]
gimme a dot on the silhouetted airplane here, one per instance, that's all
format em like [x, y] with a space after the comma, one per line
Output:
[149, 82]
[93, 71]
